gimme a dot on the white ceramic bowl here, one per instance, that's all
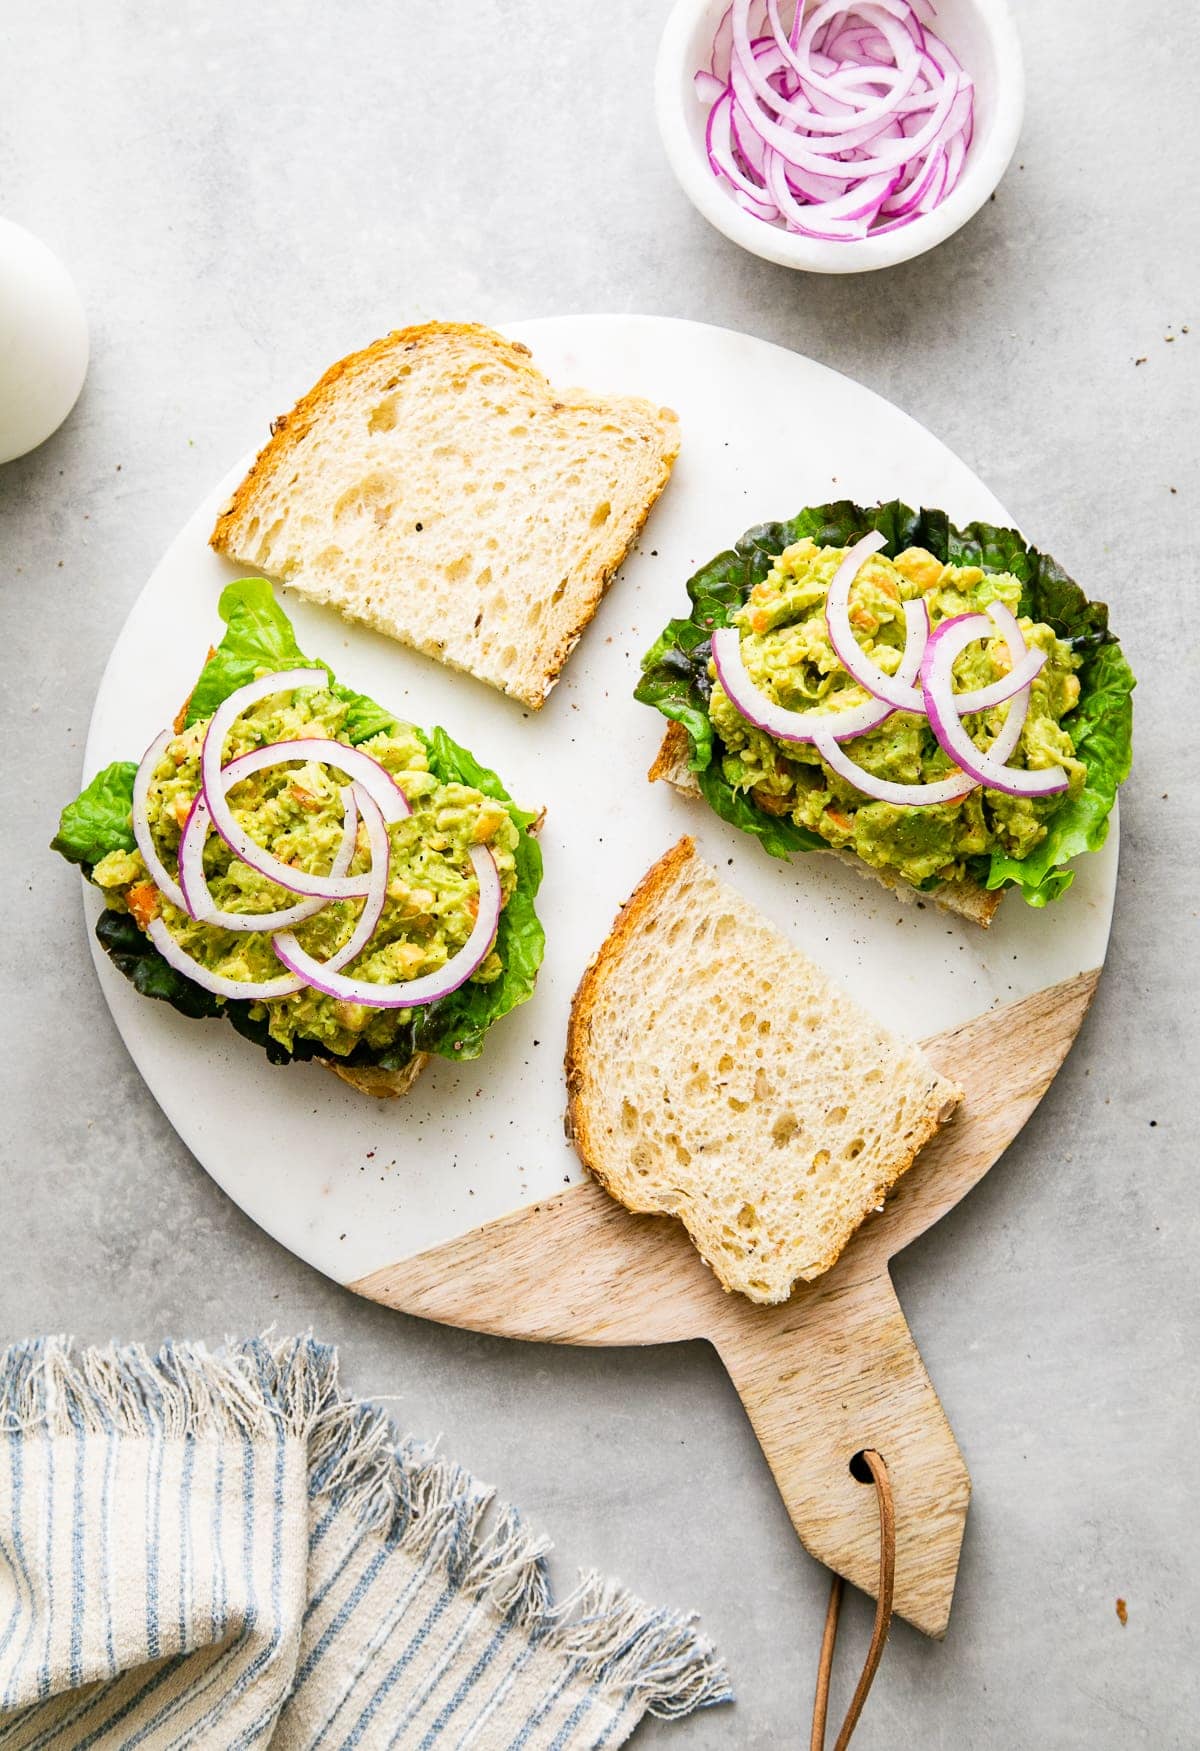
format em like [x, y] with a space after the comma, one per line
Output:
[982, 35]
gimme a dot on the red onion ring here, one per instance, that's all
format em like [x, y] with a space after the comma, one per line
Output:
[217, 780]
[163, 880]
[944, 706]
[900, 695]
[285, 944]
[411, 993]
[242, 990]
[194, 886]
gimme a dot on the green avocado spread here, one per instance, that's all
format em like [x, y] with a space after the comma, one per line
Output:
[787, 651]
[295, 812]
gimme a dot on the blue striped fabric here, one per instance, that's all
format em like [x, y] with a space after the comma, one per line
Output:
[224, 1550]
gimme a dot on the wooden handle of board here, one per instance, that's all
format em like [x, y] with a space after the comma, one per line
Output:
[832, 1371]
[828, 1374]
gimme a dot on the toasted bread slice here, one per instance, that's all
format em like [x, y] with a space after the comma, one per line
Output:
[436, 487]
[964, 898]
[716, 1074]
[384, 1084]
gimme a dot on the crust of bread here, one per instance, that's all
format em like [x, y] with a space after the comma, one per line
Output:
[605, 1151]
[531, 675]
[288, 429]
[383, 1084]
[966, 899]
[659, 879]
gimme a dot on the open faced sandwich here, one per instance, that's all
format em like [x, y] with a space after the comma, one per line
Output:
[714, 1073]
[338, 884]
[943, 706]
[437, 487]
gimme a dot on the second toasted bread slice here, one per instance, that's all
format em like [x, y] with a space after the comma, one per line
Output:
[716, 1074]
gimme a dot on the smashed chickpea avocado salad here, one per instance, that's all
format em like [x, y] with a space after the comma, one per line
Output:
[337, 883]
[945, 704]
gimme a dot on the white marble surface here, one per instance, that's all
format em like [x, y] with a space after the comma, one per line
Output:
[244, 194]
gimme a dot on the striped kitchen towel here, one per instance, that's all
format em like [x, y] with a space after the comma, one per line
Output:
[225, 1550]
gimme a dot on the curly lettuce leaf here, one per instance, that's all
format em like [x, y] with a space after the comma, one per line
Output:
[132, 952]
[99, 820]
[675, 676]
[675, 669]
[1101, 727]
[778, 836]
[258, 638]
[134, 955]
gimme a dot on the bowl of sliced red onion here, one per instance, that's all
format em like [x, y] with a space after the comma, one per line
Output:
[839, 136]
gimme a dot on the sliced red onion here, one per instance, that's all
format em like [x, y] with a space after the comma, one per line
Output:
[906, 68]
[805, 183]
[219, 726]
[241, 990]
[218, 780]
[285, 944]
[198, 899]
[764, 55]
[900, 695]
[807, 726]
[943, 790]
[360, 767]
[903, 201]
[807, 115]
[412, 993]
[886, 790]
[722, 47]
[1026, 663]
[723, 161]
[855, 122]
[944, 708]
[163, 880]
[860, 204]
[813, 155]
[777, 720]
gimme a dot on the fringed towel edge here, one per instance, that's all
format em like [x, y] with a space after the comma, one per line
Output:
[412, 1497]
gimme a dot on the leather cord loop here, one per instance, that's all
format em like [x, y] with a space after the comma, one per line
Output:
[883, 1617]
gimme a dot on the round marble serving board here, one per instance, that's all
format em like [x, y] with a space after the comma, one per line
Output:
[463, 1202]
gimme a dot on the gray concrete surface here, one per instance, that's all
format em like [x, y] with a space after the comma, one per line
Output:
[246, 192]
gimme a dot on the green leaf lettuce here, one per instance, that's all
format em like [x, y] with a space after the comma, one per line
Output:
[98, 821]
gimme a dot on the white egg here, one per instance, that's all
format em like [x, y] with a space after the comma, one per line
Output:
[43, 342]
